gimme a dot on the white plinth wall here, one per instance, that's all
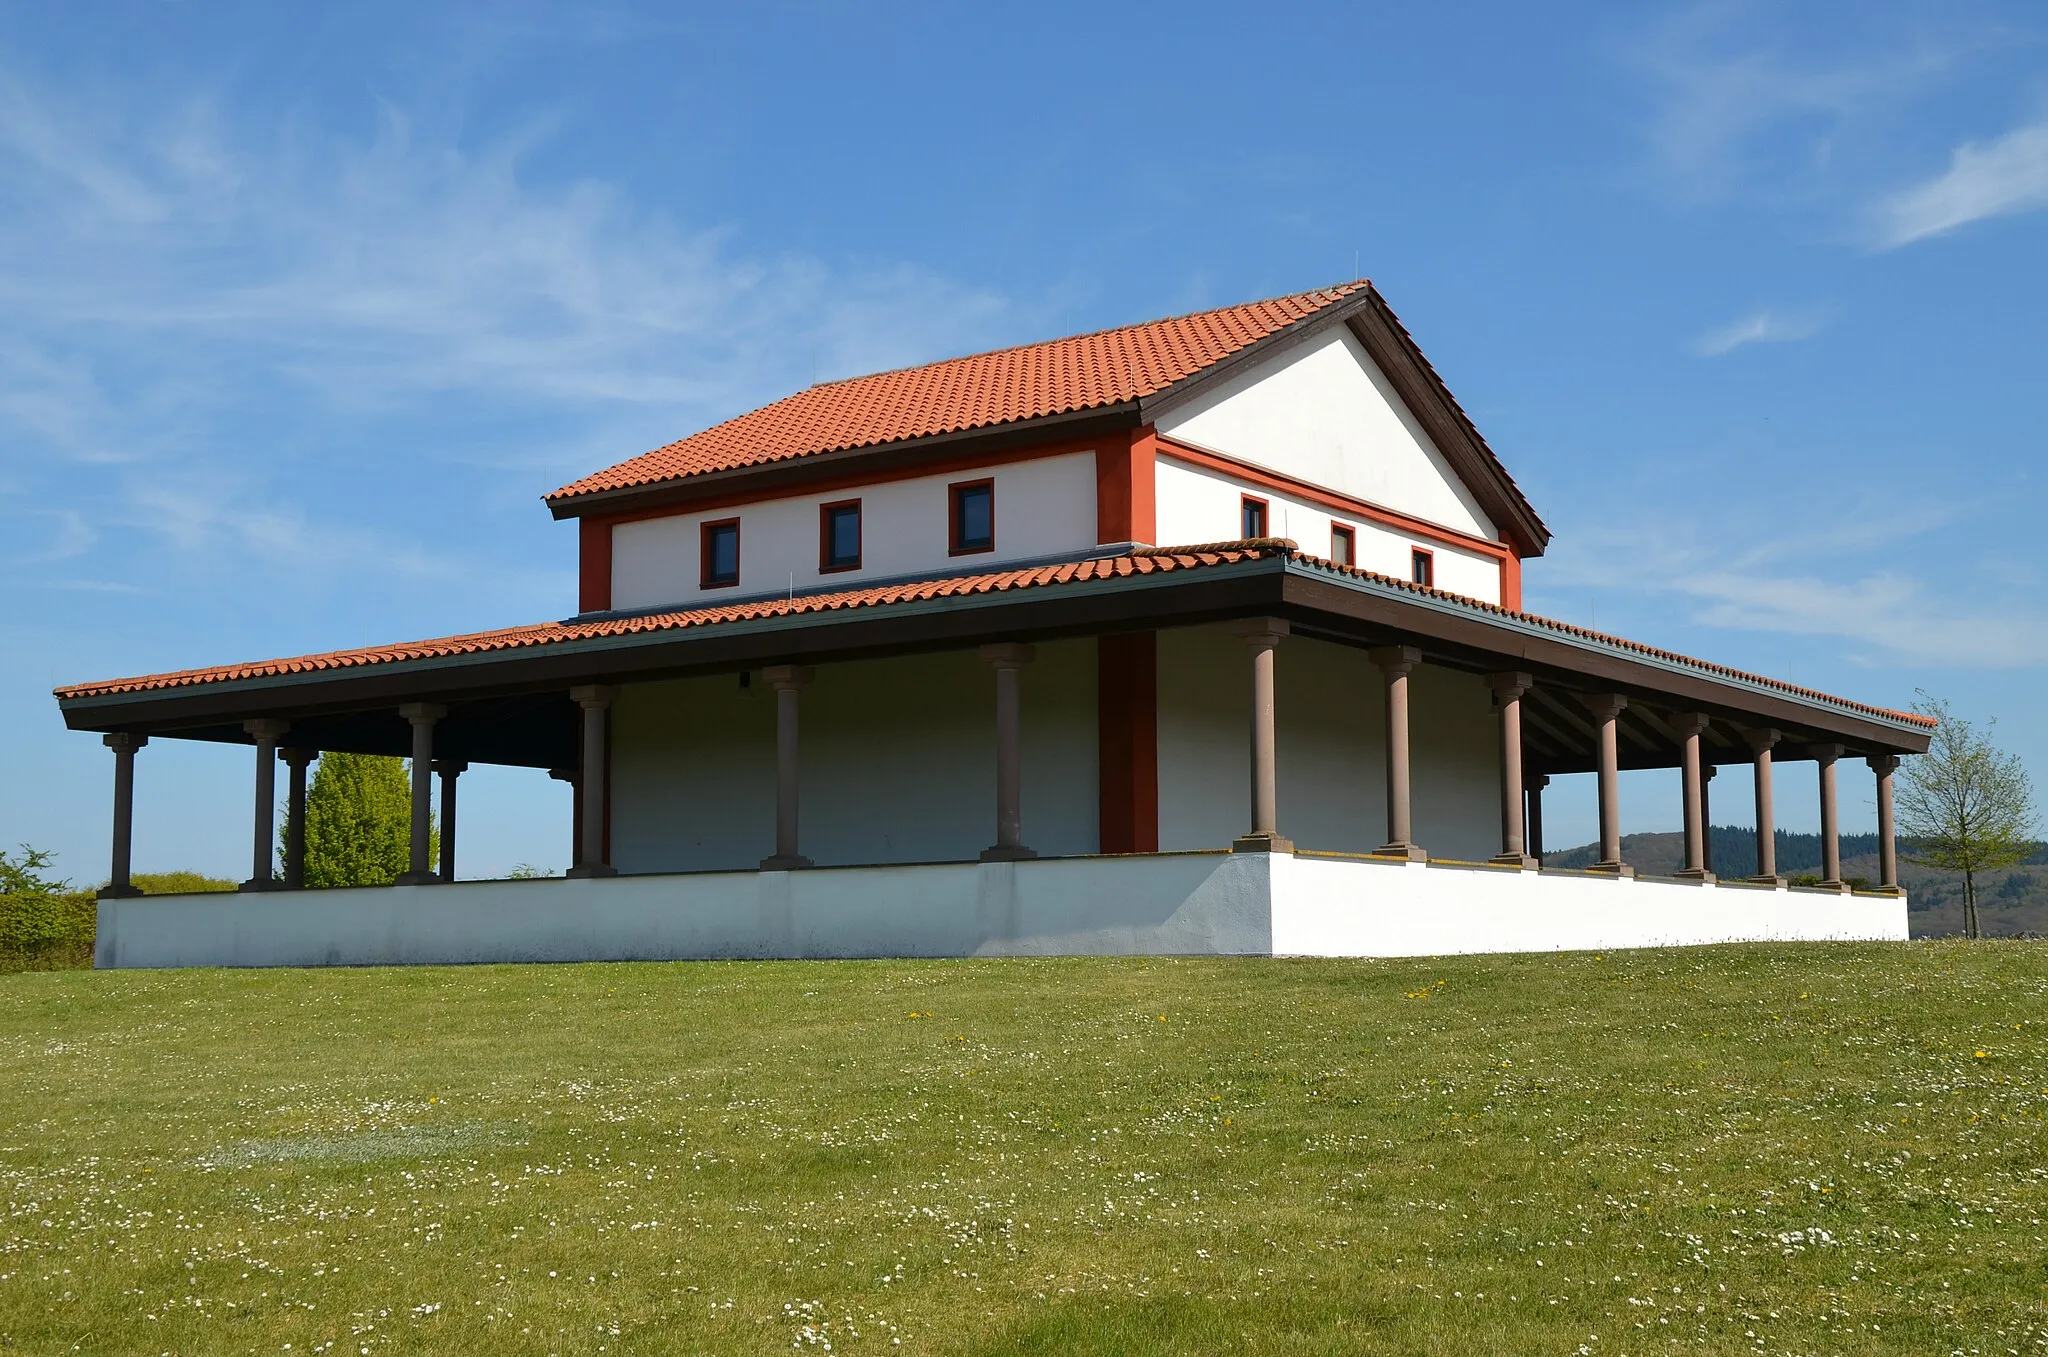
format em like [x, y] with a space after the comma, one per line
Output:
[1201, 903]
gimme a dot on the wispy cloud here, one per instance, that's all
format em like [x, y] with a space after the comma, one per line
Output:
[1759, 327]
[1991, 179]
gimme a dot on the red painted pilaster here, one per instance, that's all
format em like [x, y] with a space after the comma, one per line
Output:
[1127, 731]
[1126, 503]
[594, 565]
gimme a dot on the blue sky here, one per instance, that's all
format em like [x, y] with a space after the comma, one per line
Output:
[303, 308]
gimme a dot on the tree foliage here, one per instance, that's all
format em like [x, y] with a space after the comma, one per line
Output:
[1964, 805]
[358, 821]
[25, 874]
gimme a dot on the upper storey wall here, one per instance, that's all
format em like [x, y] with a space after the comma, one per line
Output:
[1323, 412]
[1043, 507]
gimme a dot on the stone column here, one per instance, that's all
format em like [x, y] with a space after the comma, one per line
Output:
[1008, 662]
[119, 886]
[1536, 783]
[1707, 772]
[592, 781]
[1830, 826]
[295, 761]
[1397, 663]
[420, 869]
[1606, 709]
[1761, 742]
[263, 863]
[1690, 726]
[1884, 765]
[449, 769]
[1507, 694]
[1263, 635]
[787, 680]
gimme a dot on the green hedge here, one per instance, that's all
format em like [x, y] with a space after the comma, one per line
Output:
[47, 932]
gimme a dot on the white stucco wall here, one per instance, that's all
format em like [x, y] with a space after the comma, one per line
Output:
[1214, 904]
[1044, 506]
[1330, 715]
[1323, 412]
[898, 764]
[1196, 504]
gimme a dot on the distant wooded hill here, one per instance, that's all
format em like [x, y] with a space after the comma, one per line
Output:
[2013, 901]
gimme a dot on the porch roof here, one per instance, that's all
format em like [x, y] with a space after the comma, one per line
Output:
[507, 687]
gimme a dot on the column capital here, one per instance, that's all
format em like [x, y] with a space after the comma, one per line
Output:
[1394, 661]
[1707, 771]
[1261, 631]
[124, 741]
[1688, 723]
[1606, 706]
[1009, 655]
[593, 695]
[787, 677]
[422, 712]
[1825, 753]
[451, 767]
[1510, 685]
[563, 775]
[1536, 782]
[1884, 765]
[266, 727]
[1762, 738]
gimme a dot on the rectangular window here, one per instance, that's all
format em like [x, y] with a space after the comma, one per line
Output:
[1343, 545]
[973, 509]
[1424, 572]
[1252, 520]
[839, 536]
[721, 554]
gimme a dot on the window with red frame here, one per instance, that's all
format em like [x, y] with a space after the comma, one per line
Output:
[1252, 518]
[1343, 545]
[720, 544]
[839, 536]
[1424, 571]
[972, 509]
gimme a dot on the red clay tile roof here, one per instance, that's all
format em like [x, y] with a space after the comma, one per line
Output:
[1084, 372]
[1141, 561]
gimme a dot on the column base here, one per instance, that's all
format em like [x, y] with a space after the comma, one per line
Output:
[1262, 843]
[1615, 869]
[1407, 852]
[585, 871]
[1519, 860]
[786, 862]
[1838, 887]
[269, 883]
[1700, 876]
[117, 893]
[1015, 852]
[1776, 883]
[407, 879]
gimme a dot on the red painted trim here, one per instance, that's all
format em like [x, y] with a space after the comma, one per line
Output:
[704, 531]
[1347, 534]
[607, 789]
[1426, 559]
[953, 493]
[1127, 741]
[594, 566]
[1511, 582]
[825, 566]
[1331, 500]
[1244, 529]
[1126, 489]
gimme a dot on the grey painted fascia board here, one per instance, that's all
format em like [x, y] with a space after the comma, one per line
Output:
[956, 603]
[1520, 626]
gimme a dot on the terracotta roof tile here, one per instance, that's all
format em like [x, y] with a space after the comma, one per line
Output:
[1141, 561]
[1059, 376]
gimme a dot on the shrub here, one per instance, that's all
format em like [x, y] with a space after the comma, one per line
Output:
[50, 930]
[178, 883]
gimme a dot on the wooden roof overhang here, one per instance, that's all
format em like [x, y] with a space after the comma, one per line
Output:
[511, 706]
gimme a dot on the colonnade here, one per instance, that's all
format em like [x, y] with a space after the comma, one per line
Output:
[1521, 802]
[592, 856]
[1521, 809]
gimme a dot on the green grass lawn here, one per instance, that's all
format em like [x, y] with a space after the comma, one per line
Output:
[1804, 1149]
